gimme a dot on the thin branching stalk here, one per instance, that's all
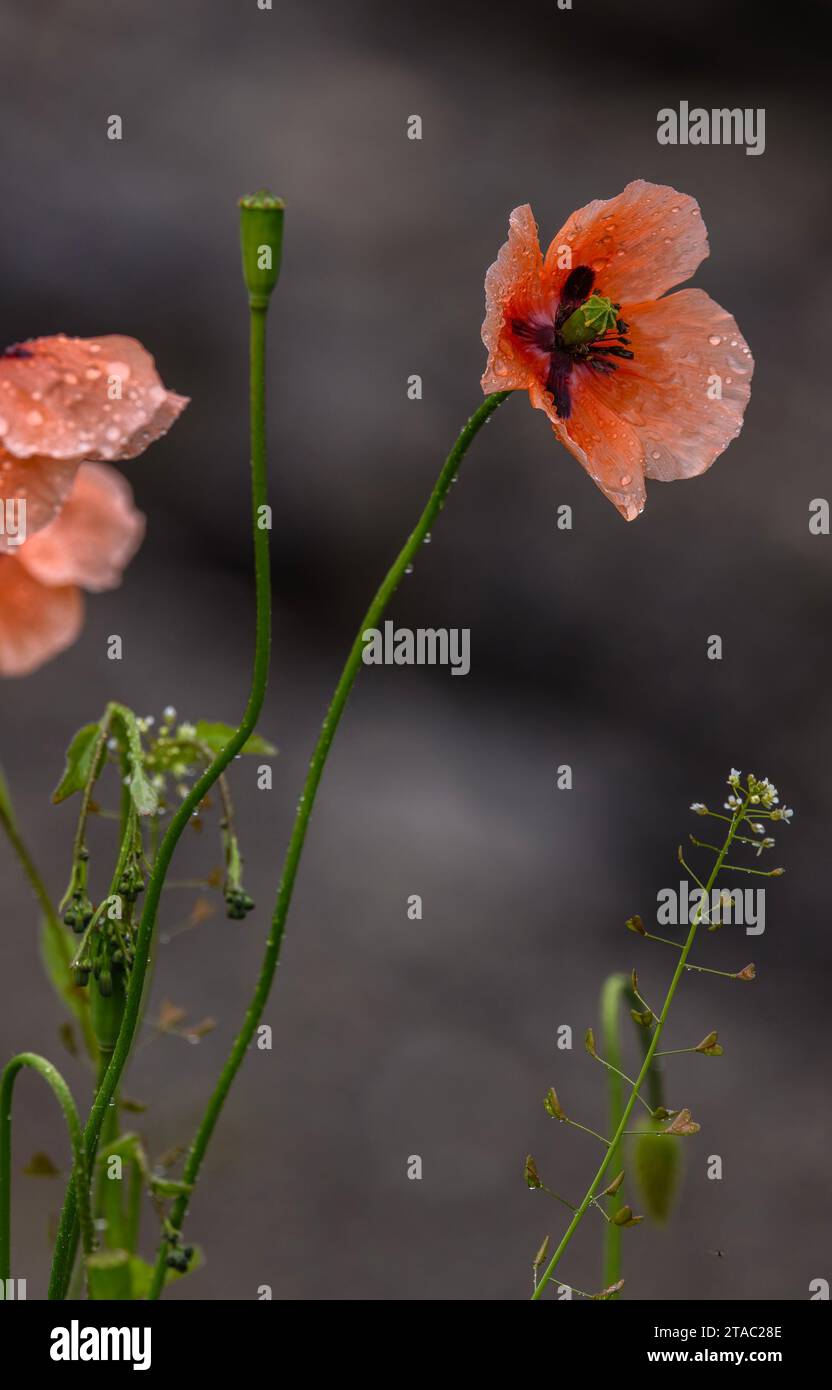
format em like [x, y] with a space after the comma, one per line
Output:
[612, 1144]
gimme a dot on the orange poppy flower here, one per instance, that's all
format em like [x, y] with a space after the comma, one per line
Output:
[64, 401]
[636, 386]
[88, 545]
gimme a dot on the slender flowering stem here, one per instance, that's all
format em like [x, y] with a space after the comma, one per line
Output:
[648, 1057]
[53, 1078]
[67, 1235]
[295, 849]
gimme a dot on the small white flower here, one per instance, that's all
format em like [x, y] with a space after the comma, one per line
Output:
[734, 776]
[699, 807]
[186, 731]
[760, 845]
[168, 713]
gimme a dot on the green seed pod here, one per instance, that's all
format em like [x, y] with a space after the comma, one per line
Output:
[657, 1161]
[261, 237]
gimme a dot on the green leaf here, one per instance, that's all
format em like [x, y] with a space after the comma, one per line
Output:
[56, 948]
[79, 756]
[216, 736]
[142, 791]
[141, 1273]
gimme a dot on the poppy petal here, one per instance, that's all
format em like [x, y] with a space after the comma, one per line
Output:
[43, 483]
[94, 537]
[640, 243]
[686, 390]
[82, 398]
[512, 289]
[604, 444]
[35, 622]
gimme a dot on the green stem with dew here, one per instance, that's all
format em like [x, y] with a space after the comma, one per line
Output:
[345, 684]
[258, 309]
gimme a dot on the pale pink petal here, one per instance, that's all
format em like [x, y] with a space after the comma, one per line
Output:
[640, 243]
[43, 484]
[513, 287]
[35, 622]
[95, 536]
[59, 398]
[686, 390]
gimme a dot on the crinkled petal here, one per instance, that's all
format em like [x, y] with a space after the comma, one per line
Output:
[513, 287]
[56, 399]
[35, 622]
[640, 243]
[95, 536]
[604, 444]
[686, 390]
[42, 483]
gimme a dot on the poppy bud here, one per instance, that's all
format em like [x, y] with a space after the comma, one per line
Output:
[261, 239]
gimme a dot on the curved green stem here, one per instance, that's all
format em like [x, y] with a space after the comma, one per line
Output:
[53, 1078]
[67, 1237]
[295, 849]
[648, 1058]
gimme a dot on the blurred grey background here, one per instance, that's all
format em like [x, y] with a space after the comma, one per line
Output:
[438, 1038]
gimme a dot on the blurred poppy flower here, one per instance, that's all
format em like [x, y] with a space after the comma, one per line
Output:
[636, 386]
[87, 546]
[64, 401]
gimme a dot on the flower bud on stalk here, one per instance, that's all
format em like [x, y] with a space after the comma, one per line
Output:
[261, 240]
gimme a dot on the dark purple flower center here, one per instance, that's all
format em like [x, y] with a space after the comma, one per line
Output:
[563, 356]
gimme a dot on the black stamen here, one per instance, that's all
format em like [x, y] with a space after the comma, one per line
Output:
[615, 351]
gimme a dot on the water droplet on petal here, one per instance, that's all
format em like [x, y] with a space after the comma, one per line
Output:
[714, 340]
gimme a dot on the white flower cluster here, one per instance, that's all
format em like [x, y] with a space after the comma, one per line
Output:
[759, 791]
